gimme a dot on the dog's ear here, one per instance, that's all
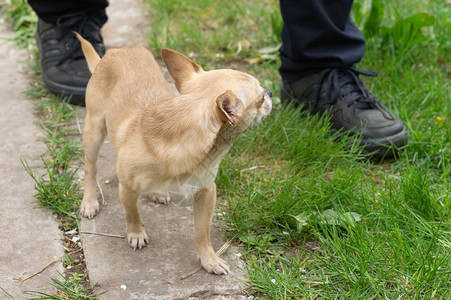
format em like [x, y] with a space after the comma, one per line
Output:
[179, 66]
[230, 107]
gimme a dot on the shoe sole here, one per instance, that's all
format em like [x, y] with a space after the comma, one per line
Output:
[386, 147]
[378, 148]
[285, 96]
[76, 95]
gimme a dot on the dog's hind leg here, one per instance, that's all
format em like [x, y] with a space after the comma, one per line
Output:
[136, 234]
[204, 206]
[93, 136]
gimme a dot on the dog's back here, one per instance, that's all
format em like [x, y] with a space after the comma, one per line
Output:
[117, 75]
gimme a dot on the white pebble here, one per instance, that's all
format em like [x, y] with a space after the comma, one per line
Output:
[73, 231]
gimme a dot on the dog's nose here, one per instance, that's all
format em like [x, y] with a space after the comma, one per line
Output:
[268, 92]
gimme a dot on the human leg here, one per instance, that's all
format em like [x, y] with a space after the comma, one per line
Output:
[320, 47]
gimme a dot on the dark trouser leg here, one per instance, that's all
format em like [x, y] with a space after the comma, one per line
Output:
[51, 10]
[318, 34]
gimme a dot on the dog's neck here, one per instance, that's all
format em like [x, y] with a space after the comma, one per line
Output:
[220, 146]
[185, 133]
[225, 139]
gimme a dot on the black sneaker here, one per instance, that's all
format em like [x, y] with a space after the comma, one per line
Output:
[63, 66]
[352, 107]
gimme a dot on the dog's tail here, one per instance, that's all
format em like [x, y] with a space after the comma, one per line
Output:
[90, 54]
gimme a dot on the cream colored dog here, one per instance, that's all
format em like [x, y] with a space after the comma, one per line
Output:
[165, 144]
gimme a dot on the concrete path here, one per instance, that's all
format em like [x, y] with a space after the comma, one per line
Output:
[29, 237]
[153, 272]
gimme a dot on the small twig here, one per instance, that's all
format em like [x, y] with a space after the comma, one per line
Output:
[101, 193]
[251, 168]
[76, 243]
[103, 234]
[77, 120]
[219, 252]
[316, 282]
[46, 266]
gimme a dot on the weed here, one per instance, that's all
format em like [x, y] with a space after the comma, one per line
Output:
[58, 192]
[70, 288]
[23, 21]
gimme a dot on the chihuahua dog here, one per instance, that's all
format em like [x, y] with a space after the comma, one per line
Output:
[166, 144]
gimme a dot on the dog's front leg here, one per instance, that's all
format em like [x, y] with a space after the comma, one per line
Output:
[204, 205]
[136, 234]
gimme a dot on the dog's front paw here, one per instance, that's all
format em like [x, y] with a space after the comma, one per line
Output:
[137, 240]
[160, 200]
[215, 265]
[89, 210]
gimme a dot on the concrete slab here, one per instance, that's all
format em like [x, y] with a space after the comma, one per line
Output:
[153, 272]
[29, 237]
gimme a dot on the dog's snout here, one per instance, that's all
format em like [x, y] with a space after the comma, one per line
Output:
[268, 92]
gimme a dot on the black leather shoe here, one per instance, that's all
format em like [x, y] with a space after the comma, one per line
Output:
[352, 108]
[63, 66]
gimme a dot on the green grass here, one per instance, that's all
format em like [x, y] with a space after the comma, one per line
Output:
[58, 189]
[71, 288]
[214, 32]
[22, 21]
[317, 219]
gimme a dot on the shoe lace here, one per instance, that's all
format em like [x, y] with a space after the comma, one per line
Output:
[81, 23]
[348, 82]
